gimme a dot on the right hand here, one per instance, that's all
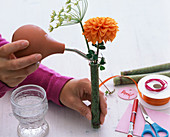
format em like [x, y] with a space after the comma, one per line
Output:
[14, 70]
[75, 91]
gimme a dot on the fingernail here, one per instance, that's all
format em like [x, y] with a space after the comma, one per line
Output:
[25, 43]
[38, 56]
[88, 116]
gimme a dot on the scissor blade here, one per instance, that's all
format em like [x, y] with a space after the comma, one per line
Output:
[145, 115]
[143, 110]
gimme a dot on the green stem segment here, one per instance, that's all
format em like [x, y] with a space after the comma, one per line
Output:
[95, 103]
[97, 53]
[123, 80]
[150, 69]
[84, 36]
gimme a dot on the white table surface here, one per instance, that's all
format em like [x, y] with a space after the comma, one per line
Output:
[143, 40]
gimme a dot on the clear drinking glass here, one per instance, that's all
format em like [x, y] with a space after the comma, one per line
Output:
[29, 106]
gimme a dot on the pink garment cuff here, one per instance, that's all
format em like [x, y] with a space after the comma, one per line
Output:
[57, 86]
[4, 88]
[2, 41]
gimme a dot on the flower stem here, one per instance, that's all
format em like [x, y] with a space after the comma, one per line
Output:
[97, 52]
[95, 99]
[124, 80]
[150, 69]
[84, 36]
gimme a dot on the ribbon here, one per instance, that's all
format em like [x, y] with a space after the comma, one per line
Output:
[162, 82]
[151, 101]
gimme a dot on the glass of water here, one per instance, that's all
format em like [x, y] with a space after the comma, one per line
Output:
[29, 106]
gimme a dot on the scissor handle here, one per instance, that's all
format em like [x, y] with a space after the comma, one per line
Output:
[158, 129]
[147, 130]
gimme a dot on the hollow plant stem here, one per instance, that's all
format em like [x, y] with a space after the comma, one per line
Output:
[95, 103]
[84, 36]
[96, 61]
[150, 69]
[123, 80]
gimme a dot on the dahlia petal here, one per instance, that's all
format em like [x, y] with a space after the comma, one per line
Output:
[111, 37]
[105, 40]
[101, 33]
[94, 40]
[100, 39]
[106, 26]
[108, 33]
[104, 30]
[96, 27]
[89, 38]
[89, 27]
[93, 22]
[93, 32]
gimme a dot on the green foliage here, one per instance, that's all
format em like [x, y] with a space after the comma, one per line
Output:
[95, 45]
[91, 52]
[73, 13]
[109, 93]
[51, 28]
[89, 56]
[95, 57]
[106, 92]
[102, 47]
[102, 61]
[102, 67]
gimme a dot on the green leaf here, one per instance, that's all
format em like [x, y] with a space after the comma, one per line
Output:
[52, 19]
[91, 52]
[106, 92]
[54, 13]
[102, 68]
[62, 10]
[57, 25]
[94, 45]
[76, 3]
[69, 8]
[68, 2]
[89, 56]
[102, 61]
[51, 28]
[95, 57]
[102, 47]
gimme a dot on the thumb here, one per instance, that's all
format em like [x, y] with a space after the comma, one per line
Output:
[83, 110]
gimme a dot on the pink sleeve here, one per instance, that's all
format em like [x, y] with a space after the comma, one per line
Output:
[2, 41]
[4, 88]
[51, 81]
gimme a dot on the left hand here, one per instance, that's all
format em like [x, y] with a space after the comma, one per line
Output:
[14, 70]
[77, 90]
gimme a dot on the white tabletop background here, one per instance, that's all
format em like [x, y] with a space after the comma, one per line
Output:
[143, 40]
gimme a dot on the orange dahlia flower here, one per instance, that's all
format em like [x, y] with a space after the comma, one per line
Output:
[99, 29]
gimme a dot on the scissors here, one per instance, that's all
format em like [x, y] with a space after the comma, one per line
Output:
[149, 123]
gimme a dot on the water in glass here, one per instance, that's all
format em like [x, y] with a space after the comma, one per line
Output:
[29, 105]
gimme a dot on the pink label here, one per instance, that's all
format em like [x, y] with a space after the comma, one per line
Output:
[127, 93]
